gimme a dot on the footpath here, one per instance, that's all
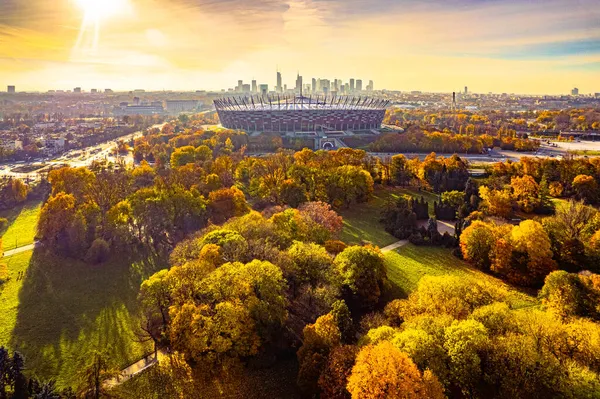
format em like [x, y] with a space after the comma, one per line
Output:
[134, 369]
[21, 249]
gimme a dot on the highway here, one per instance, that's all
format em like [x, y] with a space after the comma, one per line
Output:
[75, 158]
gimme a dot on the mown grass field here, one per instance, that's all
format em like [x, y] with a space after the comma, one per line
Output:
[63, 309]
[22, 222]
[408, 264]
[362, 221]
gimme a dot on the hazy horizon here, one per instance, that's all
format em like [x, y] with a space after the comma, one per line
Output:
[500, 46]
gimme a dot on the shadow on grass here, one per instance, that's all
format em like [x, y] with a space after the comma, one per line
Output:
[68, 308]
[408, 264]
[22, 221]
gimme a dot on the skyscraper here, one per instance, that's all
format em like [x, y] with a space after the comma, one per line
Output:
[314, 85]
[77, 90]
[299, 84]
[359, 85]
[254, 88]
[370, 86]
[351, 85]
[466, 90]
[575, 91]
[239, 86]
[11, 89]
[279, 87]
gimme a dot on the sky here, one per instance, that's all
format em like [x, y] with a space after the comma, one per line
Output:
[513, 46]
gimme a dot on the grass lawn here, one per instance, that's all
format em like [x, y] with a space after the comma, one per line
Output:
[406, 265]
[22, 222]
[63, 309]
[361, 221]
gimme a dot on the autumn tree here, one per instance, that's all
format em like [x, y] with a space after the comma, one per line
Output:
[496, 202]
[530, 239]
[334, 378]
[226, 203]
[570, 295]
[318, 341]
[382, 371]
[94, 374]
[362, 273]
[526, 193]
[586, 188]
[399, 171]
[476, 244]
[310, 264]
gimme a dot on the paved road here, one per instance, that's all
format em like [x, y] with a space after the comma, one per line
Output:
[21, 249]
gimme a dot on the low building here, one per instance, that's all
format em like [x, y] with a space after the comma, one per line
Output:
[178, 106]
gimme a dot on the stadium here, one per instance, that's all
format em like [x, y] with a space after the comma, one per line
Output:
[300, 114]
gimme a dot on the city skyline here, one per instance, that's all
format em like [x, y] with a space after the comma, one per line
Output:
[434, 47]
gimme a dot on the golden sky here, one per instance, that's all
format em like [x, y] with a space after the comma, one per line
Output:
[543, 46]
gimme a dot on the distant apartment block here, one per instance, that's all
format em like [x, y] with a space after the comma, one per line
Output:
[11, 89]
[178, 106]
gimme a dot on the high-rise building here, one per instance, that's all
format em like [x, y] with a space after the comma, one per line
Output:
[299, 84]
[319, 87]
[358, 85]
[77, 90]
[314, 85]
[254, 88]
[279, 87]
[575, 91]
[94, 91]
[264, 89]
[370, 86]
[239, 85]
[11, 89]
[108, 91]
[351, 84]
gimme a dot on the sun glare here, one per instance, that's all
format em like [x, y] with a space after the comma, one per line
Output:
[99, 9]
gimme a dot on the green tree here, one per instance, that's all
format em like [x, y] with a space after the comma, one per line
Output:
[363, 274]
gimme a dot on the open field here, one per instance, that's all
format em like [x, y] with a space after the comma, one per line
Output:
[63, 309]
[361, 221]
[22, 222]
[408, 264]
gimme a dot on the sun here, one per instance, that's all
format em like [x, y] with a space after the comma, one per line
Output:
[101, 9]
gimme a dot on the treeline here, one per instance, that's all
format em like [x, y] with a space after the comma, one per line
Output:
[93, 212]
[568, 177]
[417, 140]
[525, 254]
[490, 121]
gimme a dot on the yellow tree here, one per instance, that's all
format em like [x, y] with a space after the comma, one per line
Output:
[496, 202]
[383, 371]
[526, 192]
[530, 238]
[476, 244]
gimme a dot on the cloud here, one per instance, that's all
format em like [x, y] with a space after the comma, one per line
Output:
[501, 45]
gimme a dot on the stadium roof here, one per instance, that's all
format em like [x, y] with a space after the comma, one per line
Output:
[271, 103]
